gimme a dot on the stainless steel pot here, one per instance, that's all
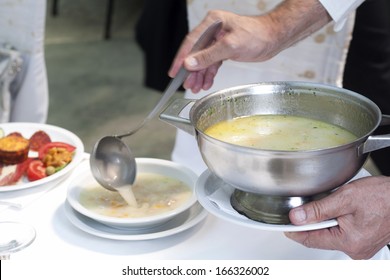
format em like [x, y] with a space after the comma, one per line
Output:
[283, 173]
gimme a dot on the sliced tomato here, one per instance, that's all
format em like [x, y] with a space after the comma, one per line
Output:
[43, 151]
[36, 170]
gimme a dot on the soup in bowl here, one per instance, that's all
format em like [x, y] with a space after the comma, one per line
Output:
[162, 190]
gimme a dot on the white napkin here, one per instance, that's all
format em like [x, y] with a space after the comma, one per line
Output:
[19, 199]
[221, 197]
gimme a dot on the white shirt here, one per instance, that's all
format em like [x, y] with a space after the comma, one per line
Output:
[339, 10]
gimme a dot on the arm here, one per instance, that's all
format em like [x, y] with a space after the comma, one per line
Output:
[245, 38]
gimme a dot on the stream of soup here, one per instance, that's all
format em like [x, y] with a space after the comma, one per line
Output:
[151, 194]
[280, 132]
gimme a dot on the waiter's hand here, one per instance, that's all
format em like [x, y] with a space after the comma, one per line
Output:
[247, 38]
[362, 210]
[241, 38]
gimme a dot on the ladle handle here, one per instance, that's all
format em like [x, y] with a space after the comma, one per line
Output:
[204, 40]
[174, 84]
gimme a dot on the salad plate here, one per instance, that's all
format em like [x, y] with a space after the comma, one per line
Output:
[57, 134]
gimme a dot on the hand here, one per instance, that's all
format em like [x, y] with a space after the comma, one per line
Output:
[247, 39]
[240, 39]
[362, 209]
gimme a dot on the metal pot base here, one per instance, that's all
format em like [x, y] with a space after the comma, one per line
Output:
[267, 208]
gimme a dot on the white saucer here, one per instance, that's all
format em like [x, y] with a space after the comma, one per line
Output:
[208, 185]
[180, 223]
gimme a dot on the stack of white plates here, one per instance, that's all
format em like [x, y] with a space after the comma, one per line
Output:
[163, 225]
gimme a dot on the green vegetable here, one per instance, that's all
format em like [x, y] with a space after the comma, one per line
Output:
[60, 167]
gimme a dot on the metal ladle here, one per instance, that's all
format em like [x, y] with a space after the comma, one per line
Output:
[112, 162]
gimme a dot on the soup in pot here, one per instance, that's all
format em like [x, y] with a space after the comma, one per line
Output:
[154, 194]
[280, 132]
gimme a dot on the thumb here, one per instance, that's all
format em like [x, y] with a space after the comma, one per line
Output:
[317, 211]
[201, 60]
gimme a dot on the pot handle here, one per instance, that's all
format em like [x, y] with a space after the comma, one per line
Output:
[385, 120]
[376, 142]
[171, 115]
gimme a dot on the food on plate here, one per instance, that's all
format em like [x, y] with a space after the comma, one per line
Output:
[47, 157]
[56, 154]
[52, 157]
[11, 174]
[155, 194]
[280, 132]
[36, 170]
[13, 149]
[38, 140]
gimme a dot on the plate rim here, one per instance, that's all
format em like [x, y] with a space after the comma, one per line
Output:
[84, 174]
[72, 216]
[210, 207]
[79, 156]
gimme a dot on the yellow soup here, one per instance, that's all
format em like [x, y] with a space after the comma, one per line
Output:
[280, 132]
[154, 194]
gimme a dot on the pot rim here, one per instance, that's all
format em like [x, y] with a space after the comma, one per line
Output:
[290, 85]
[292, 153]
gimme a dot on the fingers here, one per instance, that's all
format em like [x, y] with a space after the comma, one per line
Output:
[360, 208]
[187, 45]
[213, 55]
[210, 75]
[330, 207]
[183, 51]
[326, 239]
[334, 238]
[312, 239]
[345, 200]
[347, 240]
[195, 81]
[202, 75]
[203, 79]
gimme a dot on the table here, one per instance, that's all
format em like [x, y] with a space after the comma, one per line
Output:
[212, 239]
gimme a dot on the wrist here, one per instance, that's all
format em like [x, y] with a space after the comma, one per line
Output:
[294, 20]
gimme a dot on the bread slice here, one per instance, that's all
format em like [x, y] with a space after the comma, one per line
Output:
[13, 149]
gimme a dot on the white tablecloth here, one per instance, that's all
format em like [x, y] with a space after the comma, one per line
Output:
[213, 238]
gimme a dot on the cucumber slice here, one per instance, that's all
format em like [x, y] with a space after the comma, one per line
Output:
[1, 132]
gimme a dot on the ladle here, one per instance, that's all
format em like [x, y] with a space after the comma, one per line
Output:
[112, 162]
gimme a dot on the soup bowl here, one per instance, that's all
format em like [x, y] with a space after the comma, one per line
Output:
[83, 184]
[276, 172]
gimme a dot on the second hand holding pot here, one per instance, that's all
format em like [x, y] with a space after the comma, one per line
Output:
[112, 162]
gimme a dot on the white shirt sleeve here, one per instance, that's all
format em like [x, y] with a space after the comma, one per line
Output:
[339, 10]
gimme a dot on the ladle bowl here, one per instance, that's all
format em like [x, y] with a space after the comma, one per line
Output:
[113, 164]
